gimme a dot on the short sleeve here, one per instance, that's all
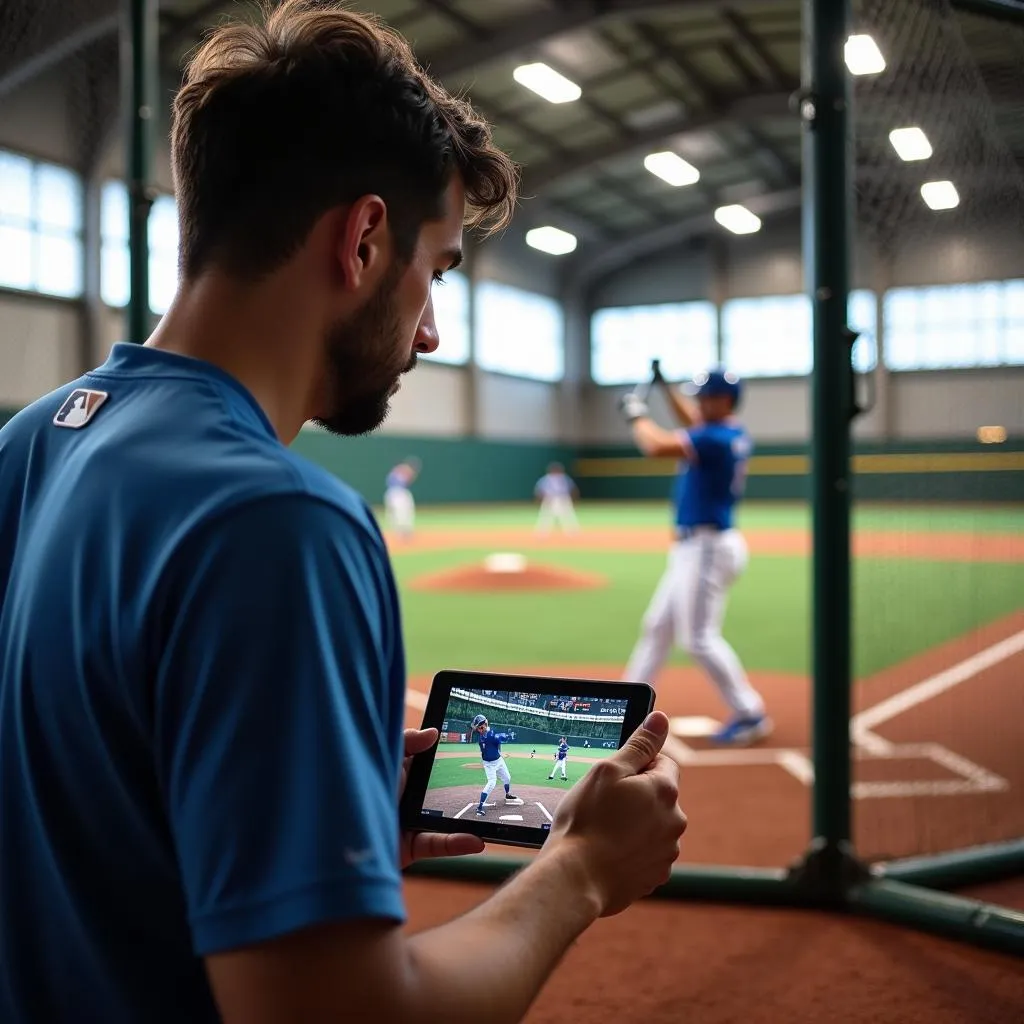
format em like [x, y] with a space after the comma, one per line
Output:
[277, 719]
[702, 445]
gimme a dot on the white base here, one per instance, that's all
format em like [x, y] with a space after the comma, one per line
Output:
[505, 562]
[694, 726]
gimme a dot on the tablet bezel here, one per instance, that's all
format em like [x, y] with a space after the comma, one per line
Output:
[640, 702]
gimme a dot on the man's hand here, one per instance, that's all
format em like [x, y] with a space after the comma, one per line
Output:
[621, 823]
[423, 845]
[633, 407]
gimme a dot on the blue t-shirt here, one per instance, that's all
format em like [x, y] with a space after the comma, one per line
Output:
[490, 744]
[201, 695]
[712, 479]
[563, 750]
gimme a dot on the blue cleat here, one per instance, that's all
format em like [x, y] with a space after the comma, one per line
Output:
[743, 730]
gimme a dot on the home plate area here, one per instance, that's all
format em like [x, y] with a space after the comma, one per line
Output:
[536, 807]
[881, 768]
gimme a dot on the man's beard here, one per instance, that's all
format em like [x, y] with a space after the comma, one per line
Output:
[362, 364]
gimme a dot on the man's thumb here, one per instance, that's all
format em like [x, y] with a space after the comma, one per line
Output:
[644, 745]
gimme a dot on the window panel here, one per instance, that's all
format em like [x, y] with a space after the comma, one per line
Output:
[625, 340]
[40, 226]
[114, 212]
[115, 284]
[114, 274]
[862, 317]
[15, 257]
[58, 199]
[15, 189]
[58, 265]
[767, 337]
[954, 326]
[451, 315]
[519, 332]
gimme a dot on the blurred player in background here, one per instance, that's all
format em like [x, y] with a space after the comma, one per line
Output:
[494, 764]
[556, 491]
[709, 553]
[561, 758]
[399, 506]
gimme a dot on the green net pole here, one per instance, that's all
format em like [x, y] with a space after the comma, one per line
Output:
[826, 244]
[139, 76]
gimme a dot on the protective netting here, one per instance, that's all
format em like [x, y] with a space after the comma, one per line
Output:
[939, 582]
[59, 121]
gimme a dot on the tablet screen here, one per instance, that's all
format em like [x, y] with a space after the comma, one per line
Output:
[509, 758]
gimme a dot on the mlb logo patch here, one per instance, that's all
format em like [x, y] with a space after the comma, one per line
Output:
[79, 408]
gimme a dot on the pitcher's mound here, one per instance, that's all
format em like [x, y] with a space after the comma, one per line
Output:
[508, 571]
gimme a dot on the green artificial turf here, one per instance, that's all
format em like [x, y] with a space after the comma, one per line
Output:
[901, 607]
[525, 771]
[752, 516]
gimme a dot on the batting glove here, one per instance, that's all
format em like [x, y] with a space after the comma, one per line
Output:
[633, 407]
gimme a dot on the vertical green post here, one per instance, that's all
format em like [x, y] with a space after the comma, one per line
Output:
[139, 76]
[827, 246]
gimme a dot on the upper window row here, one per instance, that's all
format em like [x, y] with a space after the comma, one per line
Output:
[941, 327]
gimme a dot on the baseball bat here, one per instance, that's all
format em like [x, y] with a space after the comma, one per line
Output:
[643, 390]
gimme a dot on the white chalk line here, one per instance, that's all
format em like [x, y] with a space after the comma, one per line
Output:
[545, 811]
[862, 724]
[464, 809]
[867, 744]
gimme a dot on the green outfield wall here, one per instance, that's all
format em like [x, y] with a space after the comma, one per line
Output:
[472, 470]
[900, 471]
[452, 470]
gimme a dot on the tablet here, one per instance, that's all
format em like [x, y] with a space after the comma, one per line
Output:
[510, 747]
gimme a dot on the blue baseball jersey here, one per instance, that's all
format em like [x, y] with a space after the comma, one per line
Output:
[563, 751]
[554, 485]
[490, 744]
[201, 694]
[712, 479]
[396, 479]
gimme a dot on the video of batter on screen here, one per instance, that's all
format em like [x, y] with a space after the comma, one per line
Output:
[510, 757]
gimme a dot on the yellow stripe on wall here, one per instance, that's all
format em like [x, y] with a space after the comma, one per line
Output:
[800, 465]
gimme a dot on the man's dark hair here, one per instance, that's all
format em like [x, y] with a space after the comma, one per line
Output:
[278, 122]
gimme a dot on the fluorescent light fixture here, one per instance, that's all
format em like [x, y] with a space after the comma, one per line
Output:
[862, 55]
[738, 219]
[547, 82]
[672, 168]
[910, 143]
[940, 195]
[551, 240]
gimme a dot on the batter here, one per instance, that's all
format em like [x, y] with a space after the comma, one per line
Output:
[709, 553]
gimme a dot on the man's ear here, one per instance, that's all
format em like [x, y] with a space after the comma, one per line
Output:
[363, 242]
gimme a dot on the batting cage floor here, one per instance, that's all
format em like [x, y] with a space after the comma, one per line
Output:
[663, 962]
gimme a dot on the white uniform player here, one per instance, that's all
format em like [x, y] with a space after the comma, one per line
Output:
[399, 506]
[556, 490]
[709, 553]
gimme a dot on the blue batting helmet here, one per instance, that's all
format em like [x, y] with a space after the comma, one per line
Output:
[478, 721]
[718, 382]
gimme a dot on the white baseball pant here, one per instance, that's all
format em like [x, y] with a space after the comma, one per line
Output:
[557, 508]
[559, 764]
[687, 610]
[400, 508]
[496, 771]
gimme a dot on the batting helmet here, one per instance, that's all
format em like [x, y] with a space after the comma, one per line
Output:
[718, 382]
[478, 721]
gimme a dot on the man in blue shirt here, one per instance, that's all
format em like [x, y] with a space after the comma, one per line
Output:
[202, 674]
[556, 490]
[495, 769]
[709, 553]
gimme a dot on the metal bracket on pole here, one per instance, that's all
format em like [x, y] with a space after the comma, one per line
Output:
[857, 407]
